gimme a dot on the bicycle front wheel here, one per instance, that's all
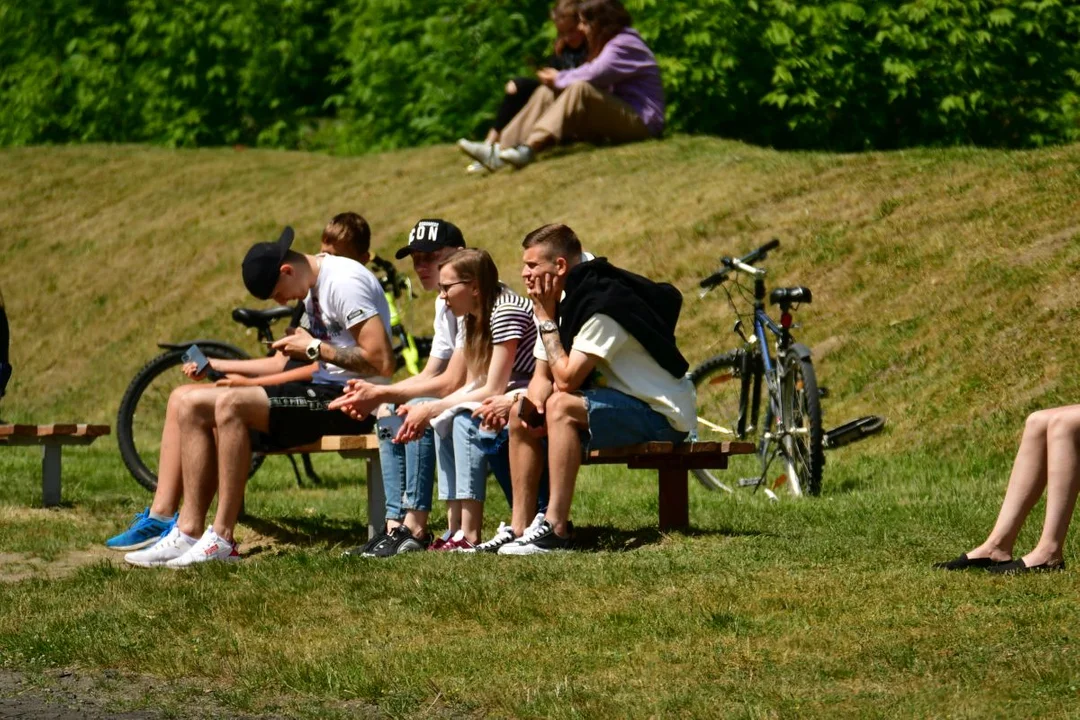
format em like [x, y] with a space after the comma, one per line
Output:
[141, 419]
[722, 385]
[801, 444]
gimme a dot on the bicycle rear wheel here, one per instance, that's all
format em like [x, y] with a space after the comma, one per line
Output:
[141, 418]
[722, 383]
[802, 446]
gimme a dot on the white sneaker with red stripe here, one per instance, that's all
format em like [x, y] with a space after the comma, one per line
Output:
[210, 547]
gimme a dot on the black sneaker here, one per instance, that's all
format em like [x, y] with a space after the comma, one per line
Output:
[504, 536]
[401, 540]
[369, 547]
[539, 539]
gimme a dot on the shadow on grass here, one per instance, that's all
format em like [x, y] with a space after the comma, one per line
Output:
[604, 538]
[309, 531]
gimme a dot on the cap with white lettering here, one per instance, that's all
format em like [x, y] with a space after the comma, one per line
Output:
[431, 235]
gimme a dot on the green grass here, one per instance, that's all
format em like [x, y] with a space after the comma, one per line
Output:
[944, 299]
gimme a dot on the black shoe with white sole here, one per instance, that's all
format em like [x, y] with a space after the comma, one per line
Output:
[539, 539]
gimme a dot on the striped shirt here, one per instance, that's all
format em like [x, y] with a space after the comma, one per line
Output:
[512, 319]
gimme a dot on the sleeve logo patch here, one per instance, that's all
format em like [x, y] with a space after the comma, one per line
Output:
[357, 313]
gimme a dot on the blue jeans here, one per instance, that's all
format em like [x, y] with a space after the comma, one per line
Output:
[617, 419]
[463, 465]
[408, 470]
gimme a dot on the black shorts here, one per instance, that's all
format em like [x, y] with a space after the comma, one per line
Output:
[298, 416]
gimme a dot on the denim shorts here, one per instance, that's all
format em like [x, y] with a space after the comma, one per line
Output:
[617, 419]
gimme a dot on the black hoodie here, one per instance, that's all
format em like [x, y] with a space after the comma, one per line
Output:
[647, 310]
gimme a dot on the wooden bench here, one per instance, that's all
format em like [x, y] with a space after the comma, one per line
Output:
[51, 438]
[672, 463]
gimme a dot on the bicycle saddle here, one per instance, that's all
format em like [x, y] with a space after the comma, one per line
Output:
[252, 318]
[789, 295]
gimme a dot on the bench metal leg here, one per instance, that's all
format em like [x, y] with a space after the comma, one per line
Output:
[50, 475]
[674, 499]
[376, 497]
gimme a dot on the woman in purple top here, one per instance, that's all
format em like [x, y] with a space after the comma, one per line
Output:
[616, 96]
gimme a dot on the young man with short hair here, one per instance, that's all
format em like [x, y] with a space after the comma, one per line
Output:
[408, 468]
[608, 373]
[349, 337]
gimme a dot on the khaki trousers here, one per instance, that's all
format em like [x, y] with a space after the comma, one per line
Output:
[580, 112]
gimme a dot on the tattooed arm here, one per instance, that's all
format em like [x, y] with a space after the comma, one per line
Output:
[372, 354]
[569, 371]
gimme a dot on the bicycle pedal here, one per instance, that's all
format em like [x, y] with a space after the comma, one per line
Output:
[750, 482]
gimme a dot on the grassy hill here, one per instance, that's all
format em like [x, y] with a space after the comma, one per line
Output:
[944, 299]
[943, 279]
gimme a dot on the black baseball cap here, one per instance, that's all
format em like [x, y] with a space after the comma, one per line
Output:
[262, 264]
[431, 235]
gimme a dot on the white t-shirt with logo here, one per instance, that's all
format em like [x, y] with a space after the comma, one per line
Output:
[625, 365]
[345, 294]
[446, 331]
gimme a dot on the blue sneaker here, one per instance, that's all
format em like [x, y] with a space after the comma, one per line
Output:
[143, 532]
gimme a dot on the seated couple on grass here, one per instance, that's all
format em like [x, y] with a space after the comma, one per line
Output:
[615, 96]
[481, 353]
[207, 441]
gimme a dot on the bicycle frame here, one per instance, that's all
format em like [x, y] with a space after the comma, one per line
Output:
[758, 362]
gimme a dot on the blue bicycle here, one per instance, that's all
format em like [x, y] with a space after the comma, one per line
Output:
[729, 385]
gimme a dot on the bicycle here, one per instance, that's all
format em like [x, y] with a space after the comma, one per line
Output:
[729, 385]
[141, 417]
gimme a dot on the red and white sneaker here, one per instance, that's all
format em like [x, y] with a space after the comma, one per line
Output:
[210, 547]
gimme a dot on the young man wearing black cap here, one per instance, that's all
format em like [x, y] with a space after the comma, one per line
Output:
[408, 468]
[349, 337]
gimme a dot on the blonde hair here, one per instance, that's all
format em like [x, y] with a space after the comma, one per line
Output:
[472, 265]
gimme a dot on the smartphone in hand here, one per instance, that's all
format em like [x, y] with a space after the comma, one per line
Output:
[387, 427]
[194, 355]
[527, 411]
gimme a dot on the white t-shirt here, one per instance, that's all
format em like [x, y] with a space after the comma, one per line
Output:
[345, 294]
[625, 365]
[446, 331]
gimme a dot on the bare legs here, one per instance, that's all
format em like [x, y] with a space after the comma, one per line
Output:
[220, 464]
[566, 418]
[170, 480]
[526, 466]
[1047, 459]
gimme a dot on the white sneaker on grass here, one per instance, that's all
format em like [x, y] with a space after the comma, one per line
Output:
[169, 547]
[484, 153]
[209, 548]
[519, 156]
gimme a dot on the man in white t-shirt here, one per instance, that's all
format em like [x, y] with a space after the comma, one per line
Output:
[608, 373]
[349, 337]
[408, 468]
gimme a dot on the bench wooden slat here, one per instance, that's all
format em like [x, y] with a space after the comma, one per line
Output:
[334, 443]
[673, 450]
[54, 430]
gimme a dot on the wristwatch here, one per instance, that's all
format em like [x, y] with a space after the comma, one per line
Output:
[312, 350]
[548, 327]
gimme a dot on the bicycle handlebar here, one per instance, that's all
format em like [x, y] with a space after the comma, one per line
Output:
[730, 264]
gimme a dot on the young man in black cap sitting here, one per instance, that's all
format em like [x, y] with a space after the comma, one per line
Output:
[408, 468]
[349, 337]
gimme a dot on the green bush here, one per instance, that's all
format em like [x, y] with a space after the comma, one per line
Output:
[375, 74]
